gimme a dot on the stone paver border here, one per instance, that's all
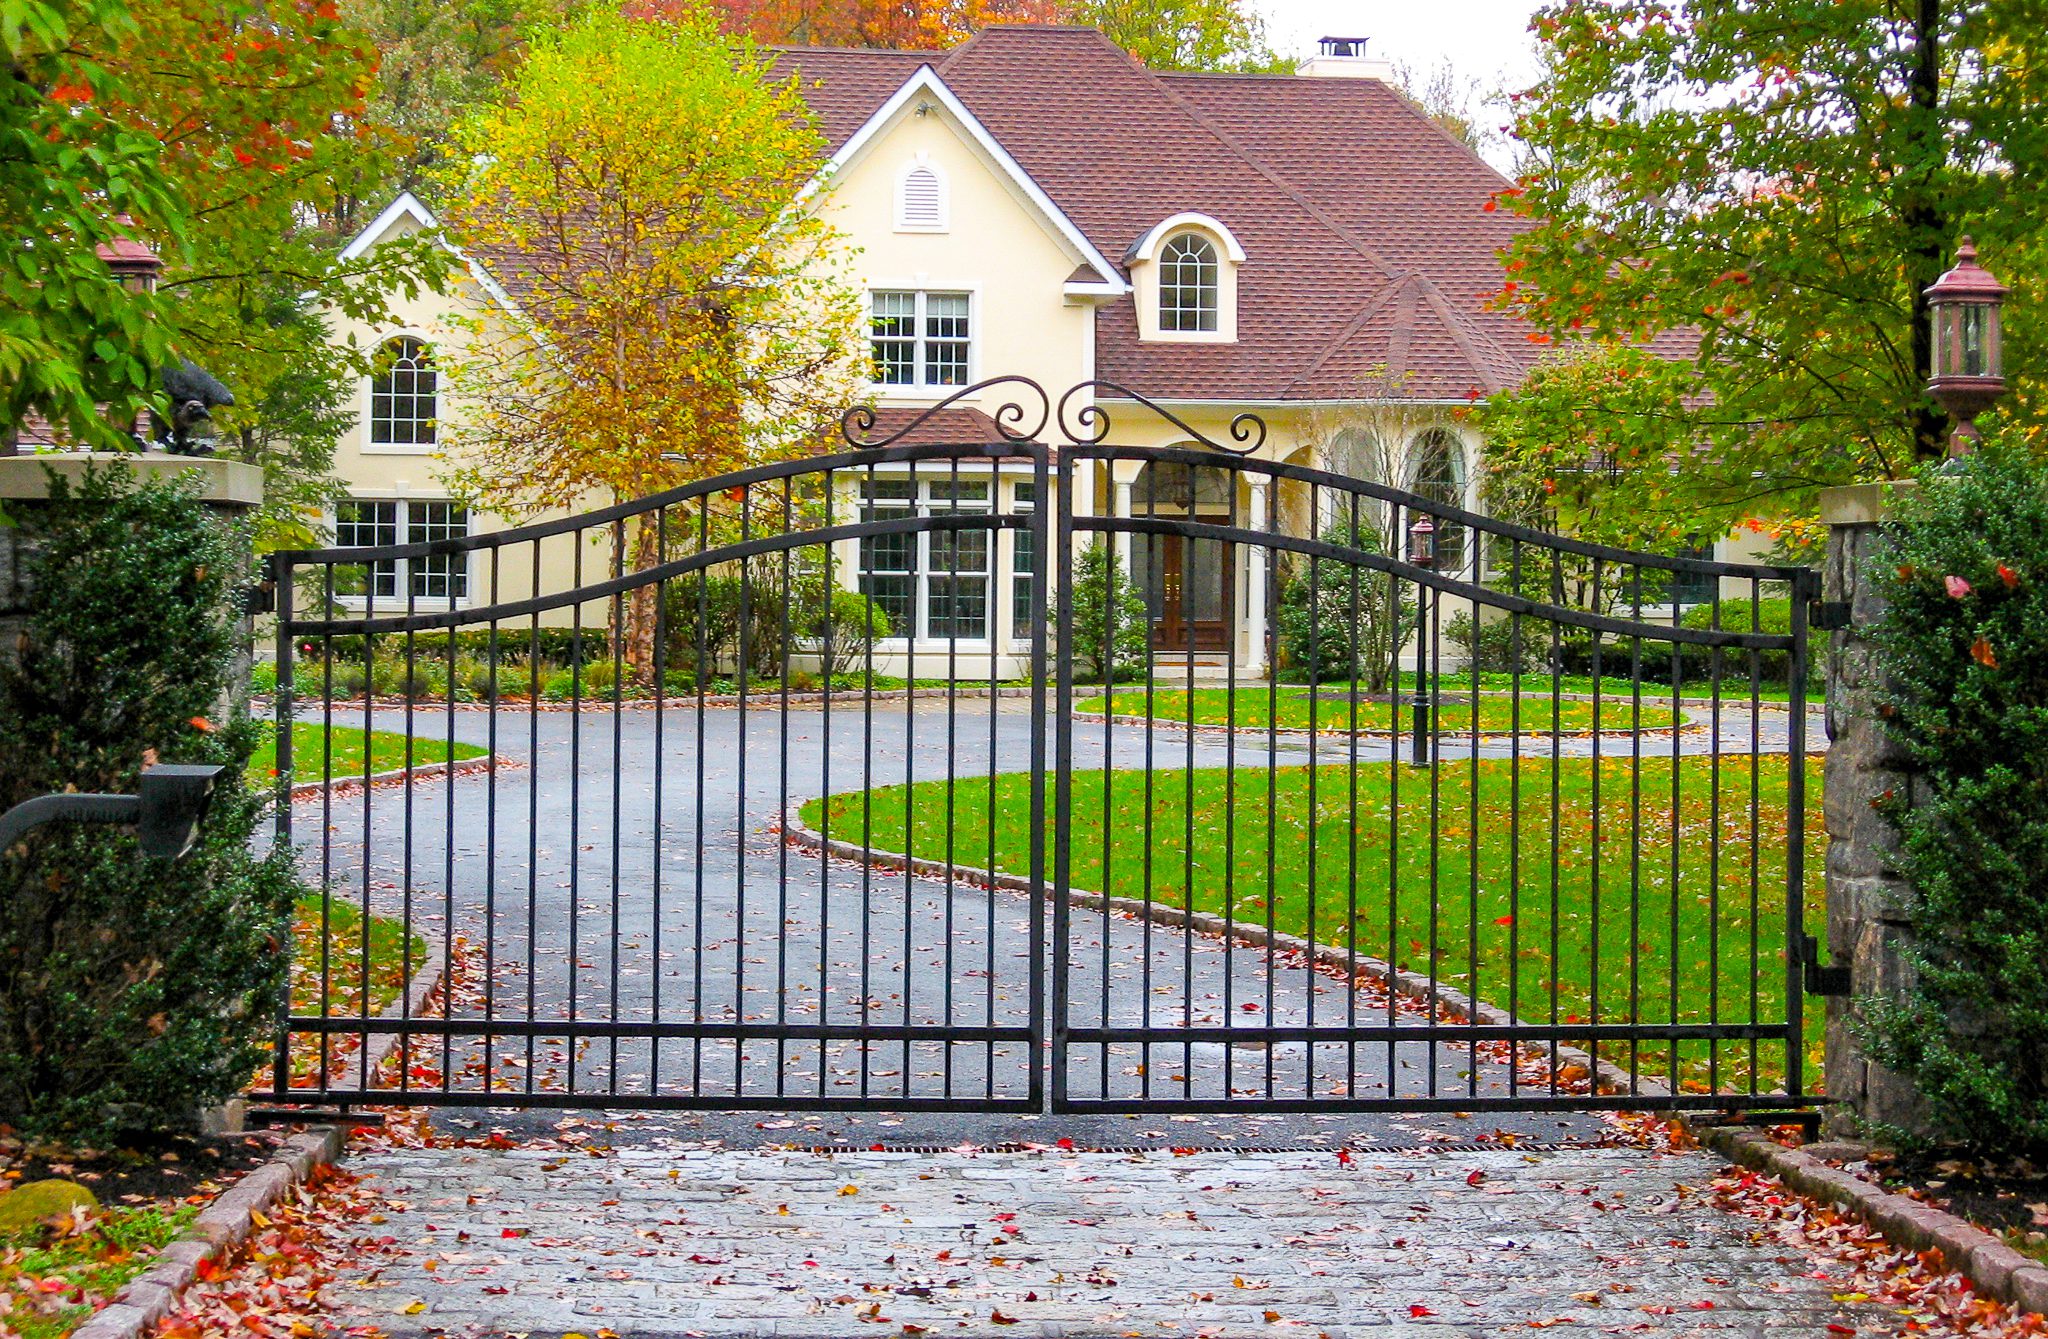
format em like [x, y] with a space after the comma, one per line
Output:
[220, 1227]
[1995, 1268]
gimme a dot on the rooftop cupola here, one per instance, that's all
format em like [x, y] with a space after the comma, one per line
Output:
[1345, 58]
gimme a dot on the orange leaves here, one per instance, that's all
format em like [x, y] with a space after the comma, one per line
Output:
[1981, 652]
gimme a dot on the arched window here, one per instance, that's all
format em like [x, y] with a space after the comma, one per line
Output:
[921, 200]
[404, 394]
[1438, 474]
[1189, 283]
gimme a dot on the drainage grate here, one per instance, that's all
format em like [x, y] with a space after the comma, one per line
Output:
[1565, 1146]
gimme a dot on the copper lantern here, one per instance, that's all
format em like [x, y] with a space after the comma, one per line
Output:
[1969, 357]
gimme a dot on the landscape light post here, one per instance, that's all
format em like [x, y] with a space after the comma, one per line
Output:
[1422, 553]
[1969, 353]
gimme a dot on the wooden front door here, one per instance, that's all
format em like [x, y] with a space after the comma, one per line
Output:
[1188, 588]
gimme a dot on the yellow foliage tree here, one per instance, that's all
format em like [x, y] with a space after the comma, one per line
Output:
[640, 190]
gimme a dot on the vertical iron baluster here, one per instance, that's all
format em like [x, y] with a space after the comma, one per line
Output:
[1635, 842]
[789, 535]
[621, 613]
[746, 669]
[655, 821]
[1802, 592]
[1515, 653]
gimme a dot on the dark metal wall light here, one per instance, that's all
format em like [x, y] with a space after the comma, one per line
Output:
[166, 813]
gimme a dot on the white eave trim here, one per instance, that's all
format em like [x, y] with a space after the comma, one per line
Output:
[927, 83]
[1146, 247]
[407, 205]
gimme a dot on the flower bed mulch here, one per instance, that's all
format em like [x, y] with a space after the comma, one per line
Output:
[2007, 1197]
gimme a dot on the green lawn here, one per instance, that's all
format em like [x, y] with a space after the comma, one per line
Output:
[312, 743]
[51, 1279]
[1504, 926]
[1296, 706]
[341, 975]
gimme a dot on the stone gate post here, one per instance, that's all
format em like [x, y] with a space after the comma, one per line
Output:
[1867, 926]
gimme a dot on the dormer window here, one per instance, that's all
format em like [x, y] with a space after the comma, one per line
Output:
[1189, 283]
[1184, 277]
[921, 198]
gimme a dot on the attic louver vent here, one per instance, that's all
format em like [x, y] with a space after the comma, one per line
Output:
[923, 204]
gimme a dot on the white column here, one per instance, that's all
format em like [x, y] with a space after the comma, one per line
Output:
[1122, 510]
[1255, 578]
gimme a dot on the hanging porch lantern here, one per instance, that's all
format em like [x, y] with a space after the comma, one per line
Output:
[1969, 355]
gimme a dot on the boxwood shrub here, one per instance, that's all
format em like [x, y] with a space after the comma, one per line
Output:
[133, 990]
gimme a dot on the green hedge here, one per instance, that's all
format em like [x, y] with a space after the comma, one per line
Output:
[1963, 567]
[133, 990]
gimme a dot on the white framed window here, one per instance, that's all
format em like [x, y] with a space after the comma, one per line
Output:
[921, 339]
[933, 584]
[921, 198]
[1023, 559]
[441, 578]
[1190, 284]
[1437, 472]
[405, 394]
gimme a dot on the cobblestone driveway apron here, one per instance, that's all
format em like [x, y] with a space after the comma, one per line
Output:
[653, 1241]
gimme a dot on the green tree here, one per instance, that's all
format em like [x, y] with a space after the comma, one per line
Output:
[73, 341]
[264, 114]
[1765, 189]
[1963, 645]
[641, 187]
[137, 990]
[1185, 34]
[1112, 631]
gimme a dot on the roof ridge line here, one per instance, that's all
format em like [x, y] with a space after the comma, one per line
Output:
[1468, 338]
[1260, 166]
[1366, 311]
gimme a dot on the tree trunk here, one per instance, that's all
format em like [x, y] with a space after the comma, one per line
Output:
[1926, 225]
[643, 607]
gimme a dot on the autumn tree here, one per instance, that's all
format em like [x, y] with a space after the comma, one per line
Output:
[640, 189]
[1761, 191]
[76, 349]
[1184, 34]
[262, 111]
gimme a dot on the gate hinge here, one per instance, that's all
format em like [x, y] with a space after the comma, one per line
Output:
[1827, 615]
[1833, 980]
[260, 598]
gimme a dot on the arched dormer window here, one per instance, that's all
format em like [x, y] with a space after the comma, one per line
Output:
[1190, 284]
[1184, 273]
[921, 198]
[1437, 472]
[404, 394]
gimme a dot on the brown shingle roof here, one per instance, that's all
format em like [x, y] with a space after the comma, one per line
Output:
[1369, 252]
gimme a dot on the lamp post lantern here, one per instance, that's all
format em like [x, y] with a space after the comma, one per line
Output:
[1421, 553]
[1969, 353]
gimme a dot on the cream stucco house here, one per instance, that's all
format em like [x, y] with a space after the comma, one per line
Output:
[1312, 248]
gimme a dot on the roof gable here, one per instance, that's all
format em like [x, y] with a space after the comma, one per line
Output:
[1366, 239]
[925, 88]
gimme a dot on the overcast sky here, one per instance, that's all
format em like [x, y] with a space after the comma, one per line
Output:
[1483, 39]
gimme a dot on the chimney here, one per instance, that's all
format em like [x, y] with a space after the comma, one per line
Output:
[1345, 58]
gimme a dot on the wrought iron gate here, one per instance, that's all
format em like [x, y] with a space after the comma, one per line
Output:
[759, 799]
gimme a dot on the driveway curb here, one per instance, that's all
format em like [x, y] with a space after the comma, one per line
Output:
[220, 1227]
[1996, 1269]
[349, 785]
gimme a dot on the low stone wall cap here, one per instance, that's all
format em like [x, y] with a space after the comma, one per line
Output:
[223, 482]
[1860, 504]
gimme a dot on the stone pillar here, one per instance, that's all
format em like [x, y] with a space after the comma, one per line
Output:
[1255, 578]
[1866, 919]
[230, 487]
